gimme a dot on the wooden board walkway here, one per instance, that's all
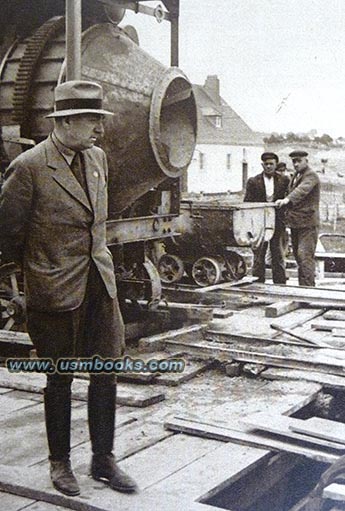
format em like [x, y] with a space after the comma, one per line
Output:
[169, 468]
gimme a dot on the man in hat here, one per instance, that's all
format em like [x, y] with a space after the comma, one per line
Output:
[53, 210]
[268, 186]
[282, 170]
[302, 215]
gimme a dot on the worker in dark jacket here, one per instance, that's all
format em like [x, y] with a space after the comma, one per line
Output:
[268, 187]
[302, 215]
[53, 210]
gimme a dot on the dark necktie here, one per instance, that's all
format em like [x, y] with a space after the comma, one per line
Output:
[78, 169]
[294, 181]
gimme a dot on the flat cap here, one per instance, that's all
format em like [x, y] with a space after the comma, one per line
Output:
[298, 154]
[269, 156]
[281, 165]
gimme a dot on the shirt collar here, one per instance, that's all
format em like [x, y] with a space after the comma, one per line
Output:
[67, 153]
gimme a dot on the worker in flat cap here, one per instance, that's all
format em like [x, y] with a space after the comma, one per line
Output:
[53, 210]
[268, 186]
[302, 215]
[283, 170]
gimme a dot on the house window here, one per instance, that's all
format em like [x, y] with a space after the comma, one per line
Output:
[228, 161]
[201, 160]
[218, 121]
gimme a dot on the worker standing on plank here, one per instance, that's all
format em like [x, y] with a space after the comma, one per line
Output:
[267, 187]
[302, 216]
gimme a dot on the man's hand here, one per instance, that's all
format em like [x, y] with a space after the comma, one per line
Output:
[282, 202]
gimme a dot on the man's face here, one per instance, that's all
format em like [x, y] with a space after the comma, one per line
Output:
[83, 130]
[300, 163]
[281, 171]
[269, 166]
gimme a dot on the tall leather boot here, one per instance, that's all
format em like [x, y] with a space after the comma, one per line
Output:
[101, 412]
[57, 407]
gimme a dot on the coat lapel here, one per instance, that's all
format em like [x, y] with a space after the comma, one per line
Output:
[262, 188]
[92, 178]
[277, 184]
[63, 175]
[296, 180]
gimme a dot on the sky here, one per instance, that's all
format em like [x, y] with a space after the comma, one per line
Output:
[281, 63]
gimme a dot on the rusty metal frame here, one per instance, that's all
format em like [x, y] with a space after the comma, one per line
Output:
[171, 14]
[130, 230]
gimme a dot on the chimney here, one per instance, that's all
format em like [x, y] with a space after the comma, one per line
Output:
[212, 87]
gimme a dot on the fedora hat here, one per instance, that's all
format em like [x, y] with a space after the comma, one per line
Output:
[78, 97]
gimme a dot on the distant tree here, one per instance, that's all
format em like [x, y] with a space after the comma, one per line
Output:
[304, 138]
[291, 137]
[326, 139]
[274, 138]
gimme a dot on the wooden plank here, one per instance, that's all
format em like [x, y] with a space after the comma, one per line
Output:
[280, 308]
[33, 382]
[139, 396]
[11, 337]
[189, 315]
[5, 391]
[253, 324]
[211, 473]
[338, 332]
[191, 370]
[11, 502]
[227, 285]
[126, 394]
[330, 299]
[226, 337]
[144, 378]
[300, 293]
[130, 439]
[328, 325]
[42, 506]
[334, 491]
[180, 450]
[321, 428]
[147, 377]
[30, 425]
[11, 404]
[243, 434]
[314, 342]
[254, 396]
[303, 361]
[329, 255]
[327, 380]
[290, 427]
[223, 313]
[157, 342]
[334, 315]
[34, 483]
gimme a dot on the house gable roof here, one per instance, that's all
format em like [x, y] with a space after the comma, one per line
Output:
[233, 129]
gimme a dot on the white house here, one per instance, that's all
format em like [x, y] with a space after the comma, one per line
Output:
[224, 142]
